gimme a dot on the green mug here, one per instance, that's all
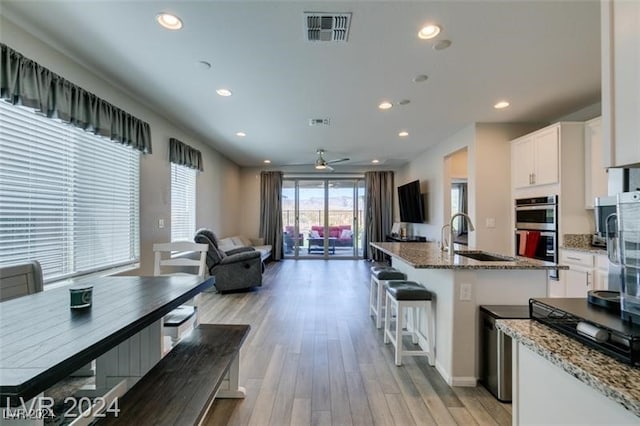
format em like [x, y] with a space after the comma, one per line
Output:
[81, 297]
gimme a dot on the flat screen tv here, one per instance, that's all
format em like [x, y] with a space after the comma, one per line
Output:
[410, 200]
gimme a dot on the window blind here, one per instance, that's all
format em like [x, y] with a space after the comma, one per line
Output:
[68, 198]
[183, 203]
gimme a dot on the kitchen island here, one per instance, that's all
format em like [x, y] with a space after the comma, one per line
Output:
[574, 383]
[460, 286]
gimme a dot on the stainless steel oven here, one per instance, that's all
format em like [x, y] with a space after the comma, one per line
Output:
[539, 213]
[536, 233]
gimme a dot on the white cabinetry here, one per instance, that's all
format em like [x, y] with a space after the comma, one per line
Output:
[620, 35]
[595, 175]
[550, 161]
[579, 278]
[535, 158]
[587, 271]
[601, 273]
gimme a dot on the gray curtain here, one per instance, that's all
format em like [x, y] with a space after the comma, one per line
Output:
[25, 82]
[379, 188]
[271, 211]
[182, 154]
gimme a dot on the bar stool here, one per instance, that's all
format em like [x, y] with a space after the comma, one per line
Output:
[411, 297]
[376, 291]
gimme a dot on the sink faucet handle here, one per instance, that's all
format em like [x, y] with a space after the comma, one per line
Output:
[444, 242]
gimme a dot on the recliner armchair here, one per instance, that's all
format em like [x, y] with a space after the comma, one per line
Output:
[235, 269]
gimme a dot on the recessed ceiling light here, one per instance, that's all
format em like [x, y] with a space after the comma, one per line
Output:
[501, 105]
[403, 134]
[169, 21]
[267, 161]
[429, 31]
[385, 105]
[420, 78]
[442, 44]
[375, 161]
[404, 102]
[241, 134]
[224, 92]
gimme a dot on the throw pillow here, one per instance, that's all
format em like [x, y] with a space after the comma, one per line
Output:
[246, 242]
[226, 244]
[314, 234]
[257, 241]
[346, 234]
[238, 242]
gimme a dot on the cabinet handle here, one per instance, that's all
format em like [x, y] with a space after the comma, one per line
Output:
[588, 279]
[530, 178]
[533, 177]
[574, 258]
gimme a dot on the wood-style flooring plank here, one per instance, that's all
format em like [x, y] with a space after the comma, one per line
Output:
[340, 409]
[314, 356]
[301, 412]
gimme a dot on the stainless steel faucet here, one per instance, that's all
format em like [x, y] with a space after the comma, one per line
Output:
[444, 243]
[452, 236]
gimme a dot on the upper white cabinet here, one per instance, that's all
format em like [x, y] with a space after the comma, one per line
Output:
[595, 175]
[620, 28]
[551, 161]
[535, 158]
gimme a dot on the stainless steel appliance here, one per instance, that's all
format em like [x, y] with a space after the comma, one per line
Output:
[495, 351]
[538, 213]
[603, 207]
[536, 233]
[623, 249]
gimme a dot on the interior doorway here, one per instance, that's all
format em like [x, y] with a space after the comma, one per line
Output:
[323, 217]
[456, 193]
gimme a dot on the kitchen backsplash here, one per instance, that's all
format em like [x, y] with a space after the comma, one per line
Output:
[577, 241]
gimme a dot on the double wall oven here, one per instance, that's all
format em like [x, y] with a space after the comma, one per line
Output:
[536, 233]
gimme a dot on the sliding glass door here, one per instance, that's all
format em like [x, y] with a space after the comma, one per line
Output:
[322, 218]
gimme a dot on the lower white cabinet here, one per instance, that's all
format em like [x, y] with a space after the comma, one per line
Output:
[587, 271]
[578, 281]
[601, 277]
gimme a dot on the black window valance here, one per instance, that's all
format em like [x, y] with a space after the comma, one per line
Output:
[182, 154]
[25, 82]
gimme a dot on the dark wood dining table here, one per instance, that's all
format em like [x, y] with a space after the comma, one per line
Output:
[43, 340]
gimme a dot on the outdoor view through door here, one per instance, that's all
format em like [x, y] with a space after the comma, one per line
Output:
[322, 218]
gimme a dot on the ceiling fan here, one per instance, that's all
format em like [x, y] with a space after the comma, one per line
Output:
[322, 164]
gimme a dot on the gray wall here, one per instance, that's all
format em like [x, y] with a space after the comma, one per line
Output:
[218, 205]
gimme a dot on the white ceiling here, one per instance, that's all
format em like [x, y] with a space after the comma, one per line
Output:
[543, 56]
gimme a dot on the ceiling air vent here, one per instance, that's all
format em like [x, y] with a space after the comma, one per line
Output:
[327, 26]
[318, 122]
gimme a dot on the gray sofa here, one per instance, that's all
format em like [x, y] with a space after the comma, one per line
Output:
[231, 243]
[235, 269]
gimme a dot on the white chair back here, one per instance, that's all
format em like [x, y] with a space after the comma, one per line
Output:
[180, 247]
[20, 280]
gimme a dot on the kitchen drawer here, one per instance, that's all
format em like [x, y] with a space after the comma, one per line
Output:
[602, 262]
[576, 258]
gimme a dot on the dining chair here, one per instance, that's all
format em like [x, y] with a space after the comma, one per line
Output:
[20, 280]
[177, 256]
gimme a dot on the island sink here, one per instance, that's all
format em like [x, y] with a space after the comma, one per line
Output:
[483, 256]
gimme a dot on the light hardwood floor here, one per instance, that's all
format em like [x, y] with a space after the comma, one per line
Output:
[314, 357]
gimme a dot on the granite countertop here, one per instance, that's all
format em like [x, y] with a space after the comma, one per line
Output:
[618, 381]
[581, 243]
[428, 256]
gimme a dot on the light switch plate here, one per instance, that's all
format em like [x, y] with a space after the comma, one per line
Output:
[160, 223]
[490, 222]
[465, 292]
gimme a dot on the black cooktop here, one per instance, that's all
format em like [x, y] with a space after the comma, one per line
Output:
[622, 339]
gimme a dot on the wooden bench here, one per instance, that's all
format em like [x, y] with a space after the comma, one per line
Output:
[180, 389]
